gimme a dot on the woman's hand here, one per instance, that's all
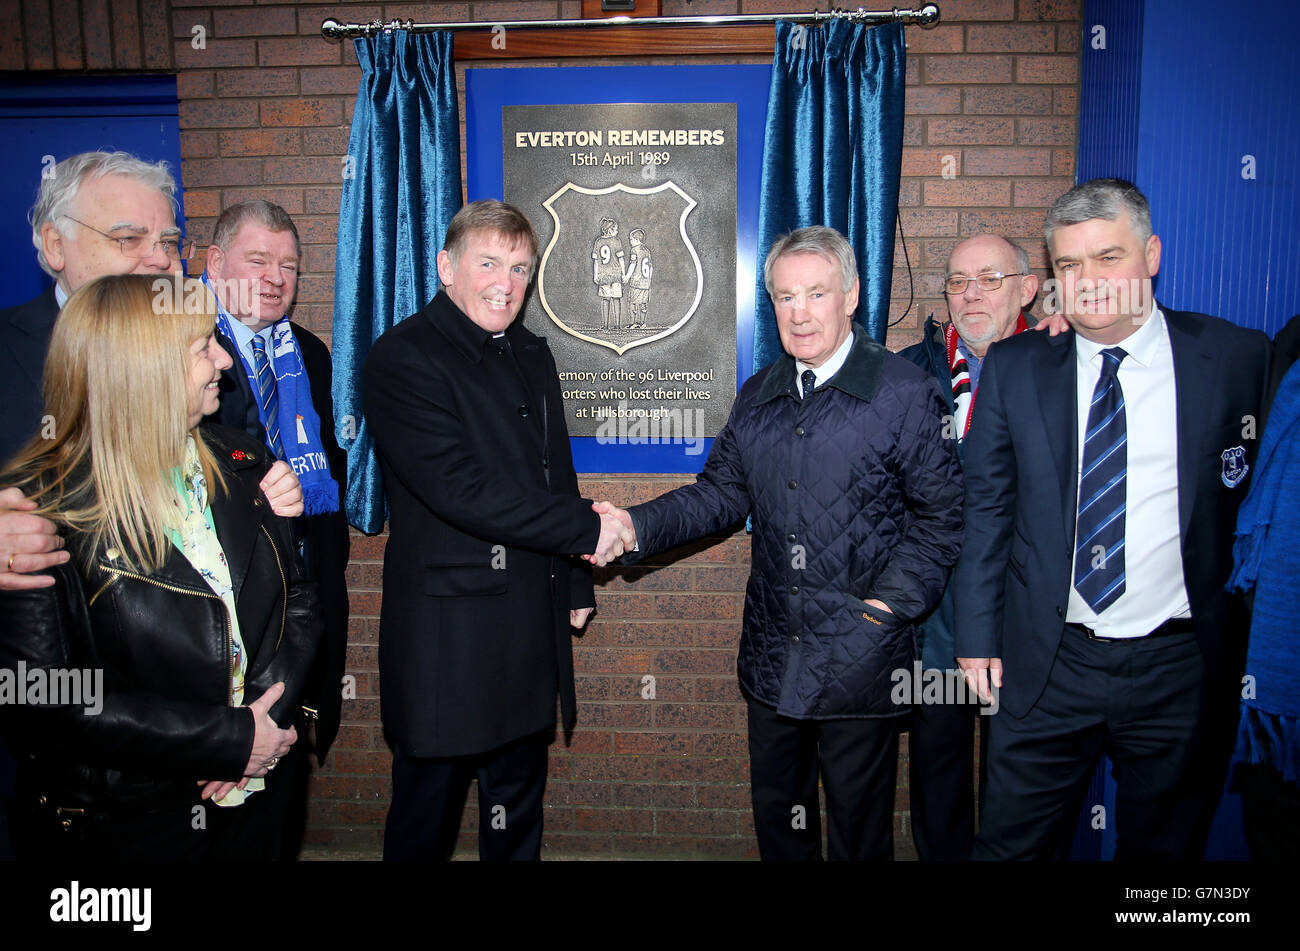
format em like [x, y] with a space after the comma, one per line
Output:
[269, 741]
[283, 490]
[216, 789]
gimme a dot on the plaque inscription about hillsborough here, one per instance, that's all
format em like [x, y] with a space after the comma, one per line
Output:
[635, 211]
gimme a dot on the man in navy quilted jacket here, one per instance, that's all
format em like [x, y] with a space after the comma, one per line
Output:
[838, 451]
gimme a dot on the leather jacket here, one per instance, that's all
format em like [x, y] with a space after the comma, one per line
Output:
[163, 642]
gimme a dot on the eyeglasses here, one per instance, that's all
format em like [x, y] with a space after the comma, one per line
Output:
[985, 282]
[137, 246]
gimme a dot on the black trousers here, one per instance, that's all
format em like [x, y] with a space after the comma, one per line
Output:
[286, 793]
[199, 831]
[858, 763]
[1141, 703]
[429, 797]
[941, 767]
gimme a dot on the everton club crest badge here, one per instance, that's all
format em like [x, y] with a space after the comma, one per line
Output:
[1234, 466]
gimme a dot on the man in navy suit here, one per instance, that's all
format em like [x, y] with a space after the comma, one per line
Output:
[1103, 476]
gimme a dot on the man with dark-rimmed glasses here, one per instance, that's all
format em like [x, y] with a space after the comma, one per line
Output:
[97, 213]
[988, 286]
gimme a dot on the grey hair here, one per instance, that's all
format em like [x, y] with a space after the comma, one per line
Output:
[1021, 256]
[1100, 198]
[267, 214]
[59, 189]
[827, 242]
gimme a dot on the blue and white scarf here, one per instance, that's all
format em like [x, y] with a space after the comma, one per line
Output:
[299, 422]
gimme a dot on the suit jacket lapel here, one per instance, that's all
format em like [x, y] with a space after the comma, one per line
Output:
[34, 322]
[1055, 384]
[238, 401]
[1194, 384]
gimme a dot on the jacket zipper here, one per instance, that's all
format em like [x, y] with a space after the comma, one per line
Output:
[230, 632]
[284, 586]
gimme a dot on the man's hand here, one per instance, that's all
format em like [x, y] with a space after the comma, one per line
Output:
[269, 741]
[1054, 324]
[578, 617]
[617, 534]
[283, 490]
[28, 543]
[978, 670]
[877, 604]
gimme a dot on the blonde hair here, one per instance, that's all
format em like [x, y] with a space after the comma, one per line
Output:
[116, 394]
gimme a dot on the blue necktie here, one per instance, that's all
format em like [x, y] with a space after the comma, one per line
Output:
[1099, 538]
[808, 382]
[266, 397]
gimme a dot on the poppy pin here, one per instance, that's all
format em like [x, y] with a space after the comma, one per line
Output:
[238, 454]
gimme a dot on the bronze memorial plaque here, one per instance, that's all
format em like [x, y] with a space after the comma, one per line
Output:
[635, 210]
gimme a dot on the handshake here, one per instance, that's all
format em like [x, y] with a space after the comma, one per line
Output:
[617, 534]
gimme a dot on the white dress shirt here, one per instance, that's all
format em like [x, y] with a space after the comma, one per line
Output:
[1154, 591]
[244, 341]
[827, 369]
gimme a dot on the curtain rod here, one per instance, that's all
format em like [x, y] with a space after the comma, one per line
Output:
[927, 16]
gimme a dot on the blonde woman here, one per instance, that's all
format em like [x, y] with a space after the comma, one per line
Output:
[170, 651]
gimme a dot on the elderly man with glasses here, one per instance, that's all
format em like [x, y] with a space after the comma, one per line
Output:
[988, 285]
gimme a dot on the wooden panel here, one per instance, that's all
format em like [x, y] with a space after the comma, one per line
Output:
[619, 41]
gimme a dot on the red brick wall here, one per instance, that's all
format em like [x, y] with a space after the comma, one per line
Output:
[992, 121]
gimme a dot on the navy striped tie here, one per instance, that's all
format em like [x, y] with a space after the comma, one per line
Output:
[1103, 487]
[266, 396]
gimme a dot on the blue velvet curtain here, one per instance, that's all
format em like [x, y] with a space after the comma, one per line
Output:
[832, 154]
[401, 187]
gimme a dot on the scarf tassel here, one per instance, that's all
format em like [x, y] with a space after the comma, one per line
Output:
[1247, 557]
[1271, 739]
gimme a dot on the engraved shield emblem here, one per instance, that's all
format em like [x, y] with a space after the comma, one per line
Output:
[1234, 466]
[620, 270]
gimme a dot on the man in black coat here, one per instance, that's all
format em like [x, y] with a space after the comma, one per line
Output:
[1103, 475]
[252, 267]
[481, 586]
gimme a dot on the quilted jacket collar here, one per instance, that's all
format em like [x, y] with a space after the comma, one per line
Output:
[859, 376]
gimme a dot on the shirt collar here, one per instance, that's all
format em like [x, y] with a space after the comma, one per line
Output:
[859, 377]
[831, 366]
[967, 353]
[244, 334]
[467, 336]
[1141, 345]
[60, 295]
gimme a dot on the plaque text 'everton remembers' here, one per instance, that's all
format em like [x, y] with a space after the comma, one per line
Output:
[635, 210]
